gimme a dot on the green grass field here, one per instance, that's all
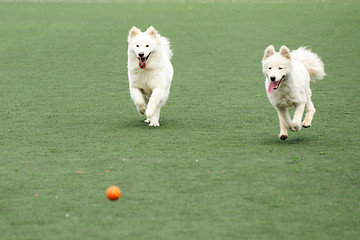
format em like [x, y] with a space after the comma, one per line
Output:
[215, 168]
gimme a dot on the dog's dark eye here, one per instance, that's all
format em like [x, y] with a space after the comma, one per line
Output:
[280, 68]
[269, 68]
[147, 46]
[137, 45]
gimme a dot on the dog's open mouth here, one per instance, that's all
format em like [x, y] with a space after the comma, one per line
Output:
[142, 61]
[275, 85]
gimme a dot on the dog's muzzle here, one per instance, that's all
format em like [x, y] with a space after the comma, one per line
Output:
[143, 59]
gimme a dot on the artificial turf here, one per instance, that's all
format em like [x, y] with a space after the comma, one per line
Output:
[215, 168]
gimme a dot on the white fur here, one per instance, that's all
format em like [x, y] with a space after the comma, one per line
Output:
[287, 84]
[149, 87]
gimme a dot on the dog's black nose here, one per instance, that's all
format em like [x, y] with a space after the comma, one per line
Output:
[141, 54]
[273, 79]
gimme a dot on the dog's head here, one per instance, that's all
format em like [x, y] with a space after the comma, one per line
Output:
[142, 44]
[276, 66]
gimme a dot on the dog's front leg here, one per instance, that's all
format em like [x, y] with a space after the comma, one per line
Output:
[154, 106]
[285, 121]
[296, 122]
[139, 100]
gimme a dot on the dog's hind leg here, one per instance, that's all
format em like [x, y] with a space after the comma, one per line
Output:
[310, 111]
[296, 122]
[284, 119]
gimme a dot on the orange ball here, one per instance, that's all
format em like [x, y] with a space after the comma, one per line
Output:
[113, 193]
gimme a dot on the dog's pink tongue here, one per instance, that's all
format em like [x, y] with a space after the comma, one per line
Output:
[142, 63]
[271, 87]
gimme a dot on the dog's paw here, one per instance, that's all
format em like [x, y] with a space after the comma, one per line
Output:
[154, 123]
[306, 124]
[295, 127]
[283, 137]
[141, 108]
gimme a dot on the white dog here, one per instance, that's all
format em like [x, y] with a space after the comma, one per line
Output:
[287, 84]
[150, 72]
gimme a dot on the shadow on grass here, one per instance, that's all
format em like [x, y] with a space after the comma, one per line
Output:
[289, 141]
[141, 124]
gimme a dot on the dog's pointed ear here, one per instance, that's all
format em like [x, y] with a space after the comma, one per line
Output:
[133, 32]
[285, 52]
[152, 31]
[269, 51]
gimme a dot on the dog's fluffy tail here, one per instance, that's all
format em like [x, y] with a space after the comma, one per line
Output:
[311, 61]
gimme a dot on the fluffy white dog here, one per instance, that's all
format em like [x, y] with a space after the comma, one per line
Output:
[150, 72]
[287, 84]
